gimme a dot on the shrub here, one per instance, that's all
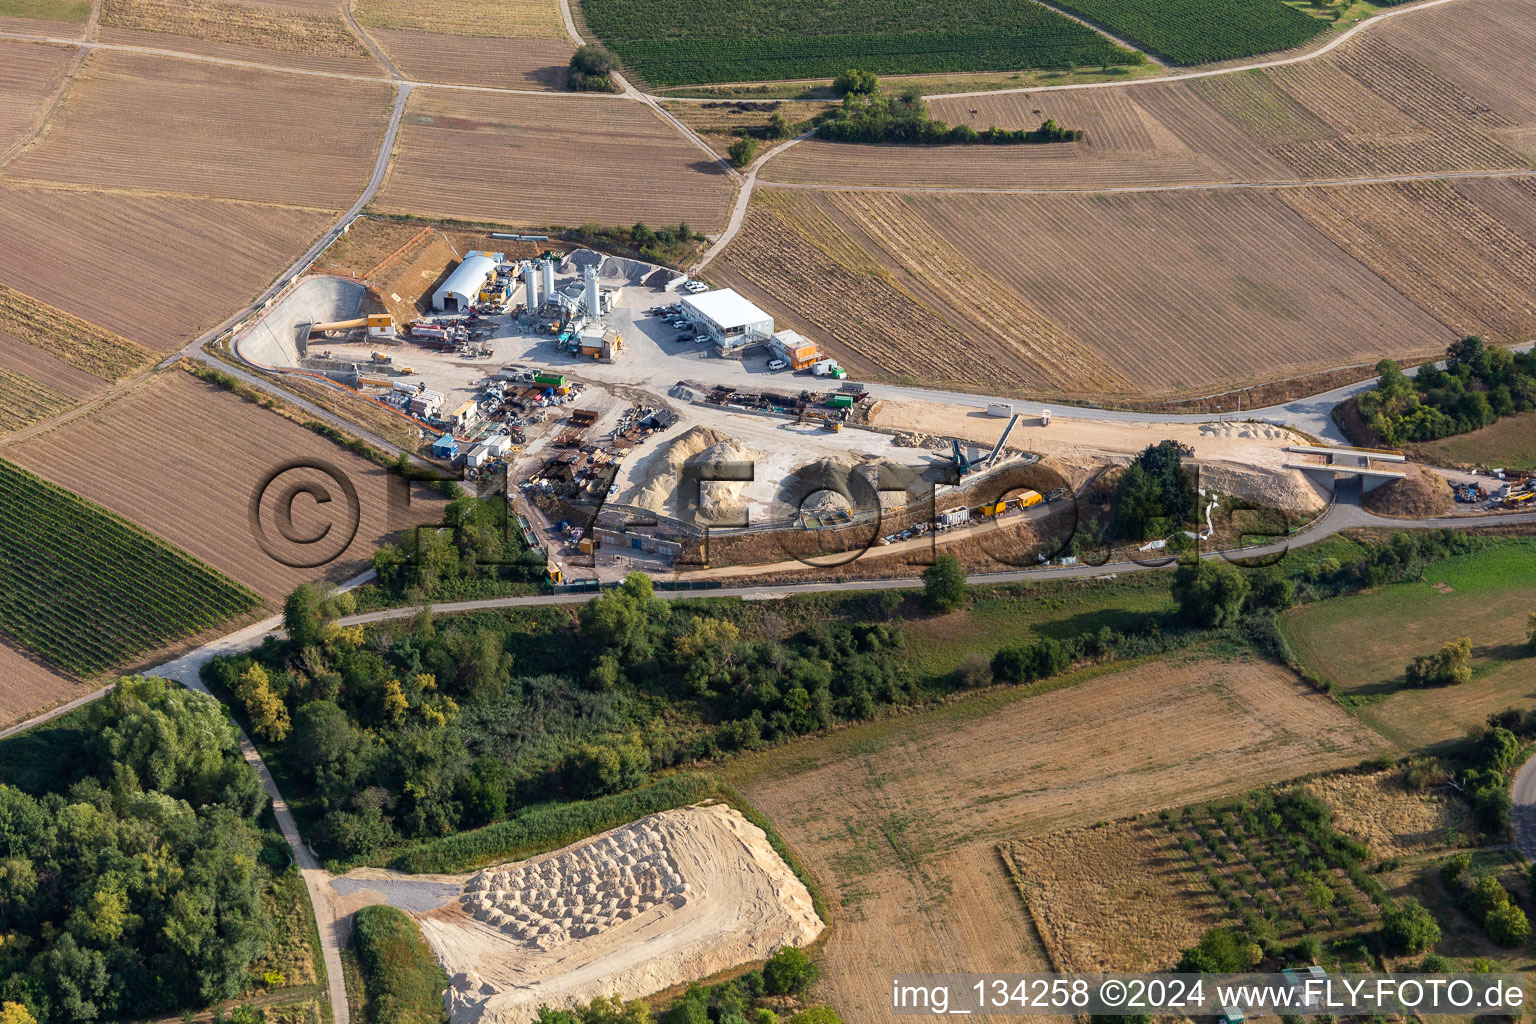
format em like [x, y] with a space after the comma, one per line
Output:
[403, 980]
[743, 151]
[592, 70]
[1507, 925]
[975, 670]
[1409, 927]
[1219, 951]
[1450, 666]
[1210, 594]
[789, 971]
[1038, 659]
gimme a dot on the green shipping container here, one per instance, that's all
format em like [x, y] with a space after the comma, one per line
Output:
[840, 402]
[550, 380]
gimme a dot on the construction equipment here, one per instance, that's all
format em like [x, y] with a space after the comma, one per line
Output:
[962, 464]
[1185, 450]
[380, 325]
[997, 449]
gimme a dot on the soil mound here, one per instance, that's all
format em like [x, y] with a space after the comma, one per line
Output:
[1419, 495]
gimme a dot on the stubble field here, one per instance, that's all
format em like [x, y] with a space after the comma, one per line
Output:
[297, 33]
[525, 63]
[527, 160]
[900, 820]
[27, 687]
[182, 459]
[147, 123]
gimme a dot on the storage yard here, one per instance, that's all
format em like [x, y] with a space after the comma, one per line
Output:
[663, 901]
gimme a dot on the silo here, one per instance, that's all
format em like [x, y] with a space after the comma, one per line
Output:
[549, 280]
[531, 283]
[594, 296]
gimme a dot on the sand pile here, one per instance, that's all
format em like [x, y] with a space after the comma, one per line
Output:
[1418, 495]
[668, 899]
[852, 480]
[657, 482]
[1248, 429]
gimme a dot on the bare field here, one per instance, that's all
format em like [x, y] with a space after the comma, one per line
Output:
[527, 18]
[216, 255]
[138, 122]
[1153, 294]
[185, 459]
[527, 63]
[27, 688]
[30, 73]
[301, 35]
[1445, 246]
[79, 356]
[900, 819]
[522, 161]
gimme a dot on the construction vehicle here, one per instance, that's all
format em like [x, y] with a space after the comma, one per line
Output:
[1522, 500]
[1185, 450]
[383, 358]
[962, 464]
[1045, 417]
[553, 574]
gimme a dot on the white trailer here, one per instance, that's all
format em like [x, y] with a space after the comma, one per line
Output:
[1002, 410]
[957, 516]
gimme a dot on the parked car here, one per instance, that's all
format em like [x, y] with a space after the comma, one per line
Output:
[776, 365]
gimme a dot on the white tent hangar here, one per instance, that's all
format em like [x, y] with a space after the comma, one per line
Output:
[728, 318]
[463, 285]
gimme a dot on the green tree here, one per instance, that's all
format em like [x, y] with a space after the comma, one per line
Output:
[1498, 749]
[1507, 925]
[591, 70]
[305, 615]
[854, 82]
[743, 151]
[598, 768]
[1219, 951]
[779, 126]
[1408, 927]
[1210, 593]
[944, 584]
[1449, 666]
[789, 971]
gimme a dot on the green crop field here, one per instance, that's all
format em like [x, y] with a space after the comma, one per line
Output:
[1200, 31]
[683, 42]
[1362, 643]
[88, 591]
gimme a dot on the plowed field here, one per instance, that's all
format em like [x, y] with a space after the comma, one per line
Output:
[27, 687]
[468, 60]
[1447, 246]
[178, 266]
[185, 459]
[29, 75]
[900, 820]
[1151, 294]
[527, 160]
[138, 122]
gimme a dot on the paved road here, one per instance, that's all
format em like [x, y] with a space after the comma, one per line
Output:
[1523, 820]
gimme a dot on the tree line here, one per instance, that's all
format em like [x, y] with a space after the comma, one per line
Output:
[869, 115]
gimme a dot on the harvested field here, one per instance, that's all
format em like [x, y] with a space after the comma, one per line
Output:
[1111, 899]
[218, 253]
[529, 168]
[900, 819]
[531, 18]
[466, 60]
[1157, 294]
[40, 364]
[79, 357]
[1488, 49]
[30, 73]
[1393, 820]
[1361, 643]
[1437, 244]
[148, 123]
[196, 493]
[297, 34]
[25, 400]
[668, 899]
[27, 687]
